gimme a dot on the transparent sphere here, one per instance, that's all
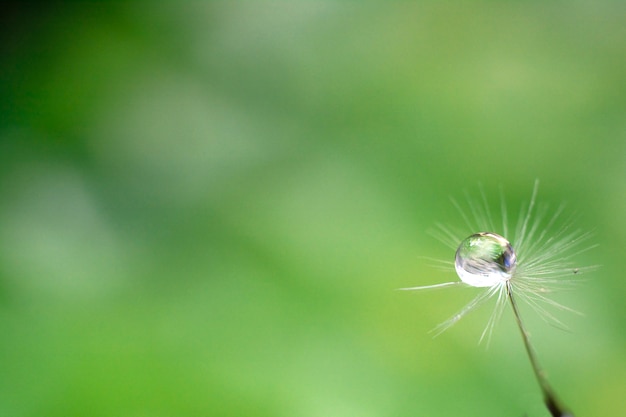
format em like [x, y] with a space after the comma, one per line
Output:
[485, 259]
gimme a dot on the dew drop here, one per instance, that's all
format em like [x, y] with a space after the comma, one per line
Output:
[485, 259]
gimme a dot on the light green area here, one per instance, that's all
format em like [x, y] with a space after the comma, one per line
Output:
[206, 208]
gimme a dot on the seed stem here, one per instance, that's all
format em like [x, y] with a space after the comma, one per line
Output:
[549, 398]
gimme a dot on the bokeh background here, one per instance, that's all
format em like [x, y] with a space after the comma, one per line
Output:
[206, 207]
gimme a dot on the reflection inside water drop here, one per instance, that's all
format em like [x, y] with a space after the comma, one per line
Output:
[485, 259]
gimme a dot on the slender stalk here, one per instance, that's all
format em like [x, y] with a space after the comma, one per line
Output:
[549, 398]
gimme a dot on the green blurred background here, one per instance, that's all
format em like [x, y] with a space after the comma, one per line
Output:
[206, 207]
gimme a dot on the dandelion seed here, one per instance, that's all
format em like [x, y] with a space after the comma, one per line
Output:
[536, 264]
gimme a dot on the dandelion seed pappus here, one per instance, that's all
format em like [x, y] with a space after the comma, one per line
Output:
[538, 260]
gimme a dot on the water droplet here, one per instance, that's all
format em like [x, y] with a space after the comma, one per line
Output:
[485, 259]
